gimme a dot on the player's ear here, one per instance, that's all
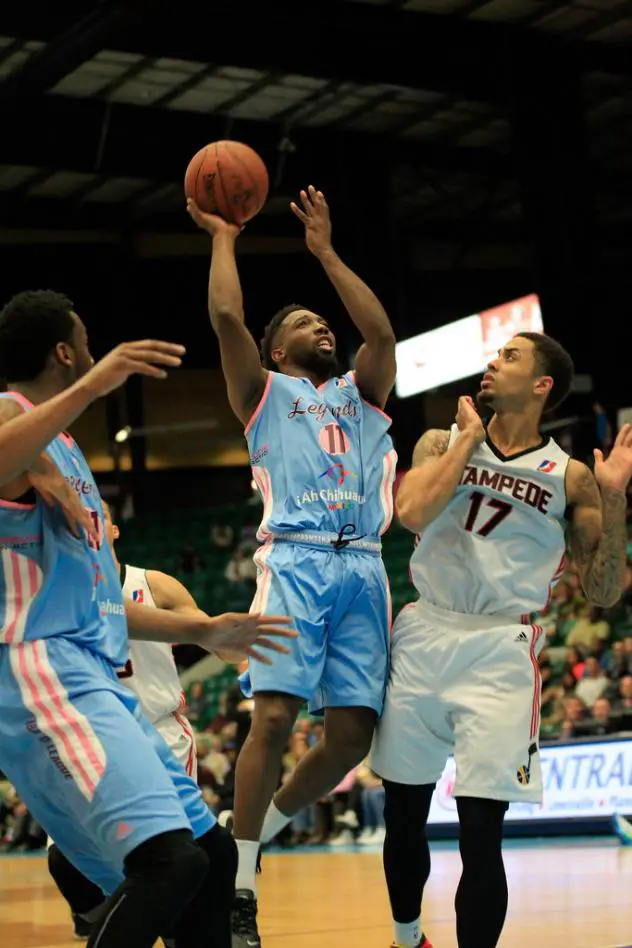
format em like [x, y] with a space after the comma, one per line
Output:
[543, 385]
[115, 531]
[64, 353]
[278, 354]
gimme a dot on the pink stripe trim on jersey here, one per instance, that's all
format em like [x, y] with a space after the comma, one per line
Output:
[20, 399]
[77, 746]
[262, 479]
[13, 505]
[386, 489]
[23, 579]
[264, 577]
[186, 727]
[262, 402]
[27, 405]
[536, 632]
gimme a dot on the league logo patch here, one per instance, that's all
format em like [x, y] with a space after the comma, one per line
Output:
[523, 774]
[547, 466]
[138, 595]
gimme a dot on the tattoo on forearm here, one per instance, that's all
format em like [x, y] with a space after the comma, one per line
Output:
[433, 443]
[605, 576]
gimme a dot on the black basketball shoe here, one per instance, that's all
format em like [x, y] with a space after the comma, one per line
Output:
[244, 920]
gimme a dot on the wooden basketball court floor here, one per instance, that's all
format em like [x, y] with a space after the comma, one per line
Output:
[563, 894]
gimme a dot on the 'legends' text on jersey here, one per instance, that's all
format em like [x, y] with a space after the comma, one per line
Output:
[498, 546]
[321, 458]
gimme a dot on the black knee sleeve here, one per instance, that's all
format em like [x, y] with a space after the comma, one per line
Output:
[82, 895]
[162, 876]
[206, 920]
[172, 861]
[406, 851]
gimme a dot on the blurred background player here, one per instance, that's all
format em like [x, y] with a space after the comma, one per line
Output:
[324, 465]
[488, 505]
[89, 767]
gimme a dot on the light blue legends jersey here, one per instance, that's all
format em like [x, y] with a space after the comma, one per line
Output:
[53, 583]
[321, 457]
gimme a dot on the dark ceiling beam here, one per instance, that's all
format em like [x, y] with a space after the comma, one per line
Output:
[157, 144]
[338, 39]
[67, 49]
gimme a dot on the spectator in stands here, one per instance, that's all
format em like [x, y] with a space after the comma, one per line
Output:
[241, 568]
[197, 705]
[614, 661]
[590, 628]
[222, 536]
[623, 700]
[593, 683]
[372, 796]
[189, 560]
[574, 663]
[575, 712]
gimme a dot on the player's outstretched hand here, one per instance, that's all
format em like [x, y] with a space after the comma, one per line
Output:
[54, 489]
[146, 357]
[615, 471]
[315, 217]
[468, 419]
[211, 223]
[248, 634]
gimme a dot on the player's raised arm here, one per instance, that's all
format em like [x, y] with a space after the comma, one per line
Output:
[437, 469]
[375, 362]
[598, 527]
[244, 374]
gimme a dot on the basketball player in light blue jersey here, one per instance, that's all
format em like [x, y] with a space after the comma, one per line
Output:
[324, 464]
[88, 765]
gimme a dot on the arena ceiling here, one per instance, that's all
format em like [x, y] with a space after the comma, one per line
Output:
[102, 109]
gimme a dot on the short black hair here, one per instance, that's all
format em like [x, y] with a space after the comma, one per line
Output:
[31, 325]
[552, 359]
[267, 343]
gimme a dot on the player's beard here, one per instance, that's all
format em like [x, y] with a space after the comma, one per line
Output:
[323, 364]
[485, 404]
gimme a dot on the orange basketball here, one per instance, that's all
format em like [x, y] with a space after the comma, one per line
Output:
[229, 179]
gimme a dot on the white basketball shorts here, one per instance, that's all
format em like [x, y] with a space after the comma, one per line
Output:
[467, 685]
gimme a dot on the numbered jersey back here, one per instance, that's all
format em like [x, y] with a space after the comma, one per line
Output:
[498, 547]
[151, 671]
[53, 583]
[321, 458]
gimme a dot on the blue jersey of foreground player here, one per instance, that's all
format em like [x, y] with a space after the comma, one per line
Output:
[90, 768]
[324, 464]
[53, 583]
[321, 458]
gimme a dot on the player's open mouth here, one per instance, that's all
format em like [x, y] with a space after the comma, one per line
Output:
[325, 345]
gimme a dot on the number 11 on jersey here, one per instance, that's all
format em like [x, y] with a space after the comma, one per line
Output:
[502, 508]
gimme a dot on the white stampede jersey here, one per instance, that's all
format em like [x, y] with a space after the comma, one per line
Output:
[498, 547]
[151, 671]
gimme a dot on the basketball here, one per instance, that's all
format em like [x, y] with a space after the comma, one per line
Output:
[229, 179]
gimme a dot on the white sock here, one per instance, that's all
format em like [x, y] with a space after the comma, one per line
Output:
[247, 850]
[274, 822]
[409, 935]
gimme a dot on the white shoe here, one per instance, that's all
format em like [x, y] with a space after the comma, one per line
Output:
[348, 819]
[366, 833]
[344, 838]
[376, 837]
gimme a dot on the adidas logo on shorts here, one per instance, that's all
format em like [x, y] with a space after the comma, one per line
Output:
[521, 637]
